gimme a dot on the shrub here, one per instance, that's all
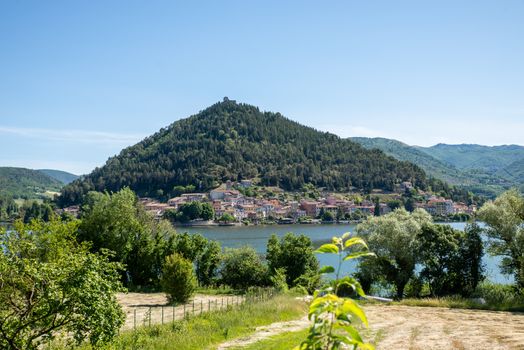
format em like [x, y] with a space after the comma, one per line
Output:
[494, 293]
[178, 279]
[243, 268]
[278, 280]
[294, 253]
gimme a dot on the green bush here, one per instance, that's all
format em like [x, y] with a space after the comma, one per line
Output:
[178, 279]
[278, 280]
[294, 253]
[242, 268]
[494, 293]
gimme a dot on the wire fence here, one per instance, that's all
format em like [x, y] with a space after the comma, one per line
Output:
[147, 316]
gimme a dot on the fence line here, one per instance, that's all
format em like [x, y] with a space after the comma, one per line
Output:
[150, 315]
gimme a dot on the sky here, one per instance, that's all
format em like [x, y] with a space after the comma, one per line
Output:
[80, 80]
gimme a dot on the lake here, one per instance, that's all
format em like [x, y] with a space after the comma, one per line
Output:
[257, 236]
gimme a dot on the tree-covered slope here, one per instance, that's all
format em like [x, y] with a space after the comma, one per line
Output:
[62, 176]
[481, 169]
[26, 183]
[514, 172]
[402, 151]
[238, 141]
[476, 157]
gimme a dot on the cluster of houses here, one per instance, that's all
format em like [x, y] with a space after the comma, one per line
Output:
[438, 206]
[227, 199]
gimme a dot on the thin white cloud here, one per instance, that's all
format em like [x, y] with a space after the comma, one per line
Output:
[82, 136]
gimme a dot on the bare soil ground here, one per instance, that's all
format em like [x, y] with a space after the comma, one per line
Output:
[153, 308]
[421, 328]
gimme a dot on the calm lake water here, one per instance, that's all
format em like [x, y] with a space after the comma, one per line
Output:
[257, 236]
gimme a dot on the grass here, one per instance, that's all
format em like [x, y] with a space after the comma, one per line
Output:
[209, 329]
[454, 302]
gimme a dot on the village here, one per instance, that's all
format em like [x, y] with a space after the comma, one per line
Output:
[231, 206]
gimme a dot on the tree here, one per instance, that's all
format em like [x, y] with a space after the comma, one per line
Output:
[393, 238]
[451, 259]
[226, 217]
[242, 268]
[327, 216]
[203, 253]
[119, 223]
[472, 251]
[292, 253]
[376, 211]
[8, 208]
[208, 213]
[207, 263]
[35, 210]
[409, 204]
[178, 279]
[51, 285]
[504, 218]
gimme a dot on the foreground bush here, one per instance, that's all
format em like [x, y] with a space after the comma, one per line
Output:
[50, 285]
[178, 279]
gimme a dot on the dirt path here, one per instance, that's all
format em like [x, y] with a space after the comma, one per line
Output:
[152, 308]
[265, 332]
[414, 328]
[392, 327]
[421, 328]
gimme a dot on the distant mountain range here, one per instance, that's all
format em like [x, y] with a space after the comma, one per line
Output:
[486, 170]
[32, 184]
[62, 176]
[237, 141]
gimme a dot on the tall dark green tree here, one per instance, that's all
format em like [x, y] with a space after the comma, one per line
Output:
[451, 259]
[294, 254]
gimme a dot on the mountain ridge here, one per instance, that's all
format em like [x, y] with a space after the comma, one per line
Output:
[26, 183]
[60, 175]
[233, 141]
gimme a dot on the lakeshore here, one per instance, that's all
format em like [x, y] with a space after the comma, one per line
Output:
[257, 236]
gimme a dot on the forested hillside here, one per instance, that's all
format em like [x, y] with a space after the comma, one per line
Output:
[238, 141]
[483, 170]
[468, 157]
[26, 183]
[402, 151]
[62, 176]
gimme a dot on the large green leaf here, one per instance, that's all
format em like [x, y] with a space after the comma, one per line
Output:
[355, 240]
[327, 269]
[349, 306]
[357, 255]
[327, 248]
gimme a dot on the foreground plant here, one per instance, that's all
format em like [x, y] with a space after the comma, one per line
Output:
[334, 317]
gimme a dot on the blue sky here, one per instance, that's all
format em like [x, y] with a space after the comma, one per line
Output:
[80, 80]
